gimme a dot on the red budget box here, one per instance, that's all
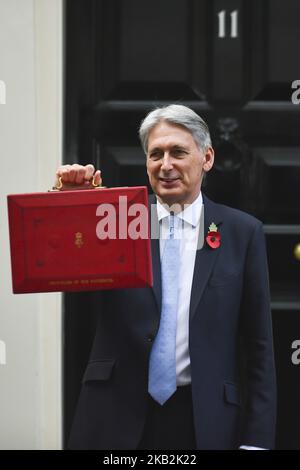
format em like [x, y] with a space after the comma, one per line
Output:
[80, 240]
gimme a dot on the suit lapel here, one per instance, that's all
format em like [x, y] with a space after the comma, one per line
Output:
[155, 252]
[205, 257]
[156, 272]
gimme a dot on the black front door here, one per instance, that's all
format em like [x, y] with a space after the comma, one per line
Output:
[235, 63]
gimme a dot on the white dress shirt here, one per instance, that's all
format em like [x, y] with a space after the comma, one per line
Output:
[188, 233]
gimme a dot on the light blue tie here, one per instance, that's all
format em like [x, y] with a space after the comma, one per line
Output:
[162, 366]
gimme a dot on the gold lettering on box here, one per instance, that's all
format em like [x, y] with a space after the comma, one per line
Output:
[78, 239]
[82, 282]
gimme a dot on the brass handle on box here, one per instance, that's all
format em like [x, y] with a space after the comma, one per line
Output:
[297, 251]
[91, 185]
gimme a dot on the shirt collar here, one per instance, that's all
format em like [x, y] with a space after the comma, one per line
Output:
[191, 213]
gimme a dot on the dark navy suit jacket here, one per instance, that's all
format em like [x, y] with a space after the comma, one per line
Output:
[230, 345]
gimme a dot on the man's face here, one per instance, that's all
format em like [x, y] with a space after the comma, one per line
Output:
[175, 164]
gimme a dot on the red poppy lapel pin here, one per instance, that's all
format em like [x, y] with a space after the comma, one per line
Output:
[213, 238]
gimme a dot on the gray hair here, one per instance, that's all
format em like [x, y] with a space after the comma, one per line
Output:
[180, 115]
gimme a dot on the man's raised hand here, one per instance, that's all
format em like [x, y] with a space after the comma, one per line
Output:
[78, 174]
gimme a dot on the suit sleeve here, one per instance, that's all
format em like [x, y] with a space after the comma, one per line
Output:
[259, 419]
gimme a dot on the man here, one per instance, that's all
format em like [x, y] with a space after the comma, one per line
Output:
[187, 364]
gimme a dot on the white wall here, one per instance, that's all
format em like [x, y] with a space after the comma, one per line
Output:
[31, 56]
